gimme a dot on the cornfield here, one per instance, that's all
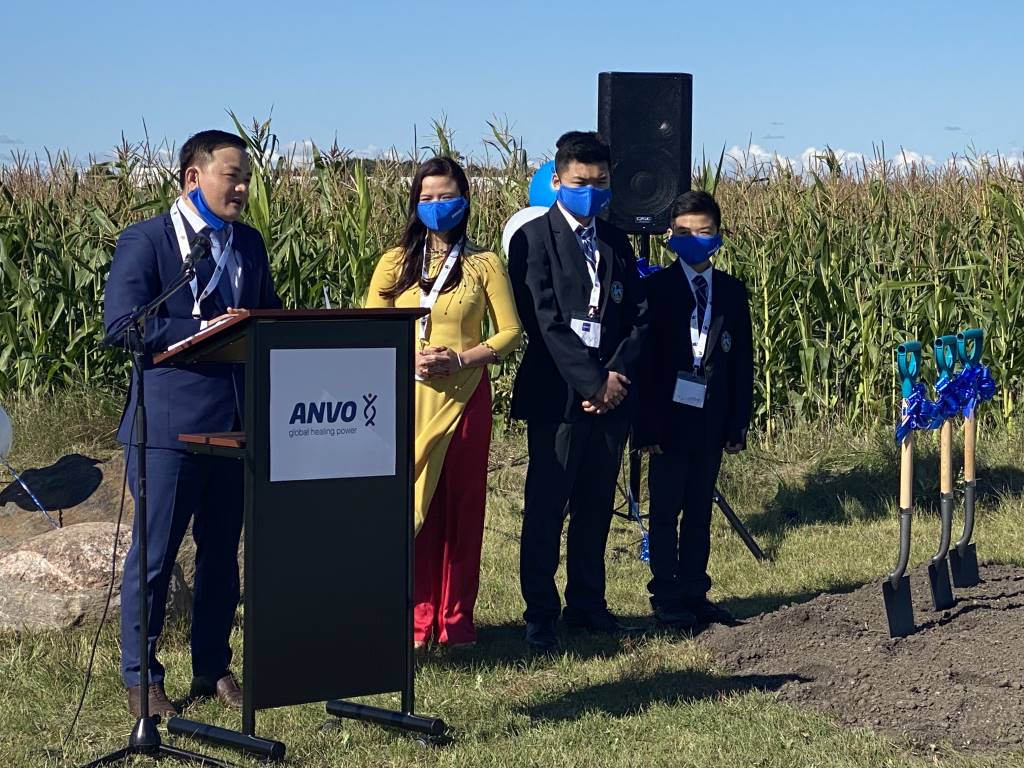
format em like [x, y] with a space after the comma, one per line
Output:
[841, 264]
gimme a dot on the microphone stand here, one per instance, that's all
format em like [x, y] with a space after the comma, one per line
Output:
[144, 738]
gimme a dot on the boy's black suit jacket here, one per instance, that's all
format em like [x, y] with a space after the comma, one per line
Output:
[728, 365]
[551, 283]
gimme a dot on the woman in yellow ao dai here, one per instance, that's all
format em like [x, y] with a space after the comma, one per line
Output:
[435, 266]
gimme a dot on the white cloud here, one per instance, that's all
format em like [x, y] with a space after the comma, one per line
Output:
[814, 159]
[369, 151]
[755, 159]
[909, 159]
[298, 153]
[749, 158]
[373, 152]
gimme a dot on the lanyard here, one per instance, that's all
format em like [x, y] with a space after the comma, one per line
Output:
[699, 336]
[221, 261]
[427, 301]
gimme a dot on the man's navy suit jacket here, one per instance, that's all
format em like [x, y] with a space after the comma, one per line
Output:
[207, 397]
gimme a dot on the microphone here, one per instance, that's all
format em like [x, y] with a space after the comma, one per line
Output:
[200, 250]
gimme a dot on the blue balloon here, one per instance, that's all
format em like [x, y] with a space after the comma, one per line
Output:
[542, 191]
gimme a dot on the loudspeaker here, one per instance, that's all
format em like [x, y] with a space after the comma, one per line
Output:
[647, 118]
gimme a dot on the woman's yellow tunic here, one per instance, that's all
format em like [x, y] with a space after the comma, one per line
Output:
[456, 322]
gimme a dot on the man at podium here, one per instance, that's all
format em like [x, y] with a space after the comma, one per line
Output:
[206, 397]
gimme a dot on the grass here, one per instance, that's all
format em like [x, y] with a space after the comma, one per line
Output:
[819, 499]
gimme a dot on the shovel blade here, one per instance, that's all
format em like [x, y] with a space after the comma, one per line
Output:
[965, 566]
[942, 589]
[899, 609]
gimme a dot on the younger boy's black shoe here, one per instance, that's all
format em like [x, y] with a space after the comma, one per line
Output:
[540, 635]
[707, 612]
[675, 617]
[601, 622]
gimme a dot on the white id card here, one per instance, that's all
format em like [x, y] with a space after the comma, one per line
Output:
[690, 389]
[588, 329]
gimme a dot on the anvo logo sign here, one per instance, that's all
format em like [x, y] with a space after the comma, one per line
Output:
[331, 412]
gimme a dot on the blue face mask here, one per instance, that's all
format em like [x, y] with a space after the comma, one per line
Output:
[695, 249]
[442, 215]
[584, 201]
[213, 221]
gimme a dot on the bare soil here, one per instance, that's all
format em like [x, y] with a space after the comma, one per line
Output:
[957, 680]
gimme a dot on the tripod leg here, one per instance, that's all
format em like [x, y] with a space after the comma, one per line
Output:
[633, 497]
[114, 757]
[635, 470]
[183, 756]
[738, 526]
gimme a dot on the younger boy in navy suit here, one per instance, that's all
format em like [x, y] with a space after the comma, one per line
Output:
[696, 390]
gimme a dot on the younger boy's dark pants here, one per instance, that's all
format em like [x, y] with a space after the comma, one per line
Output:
[681, 481]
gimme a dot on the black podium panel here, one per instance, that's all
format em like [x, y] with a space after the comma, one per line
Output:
[327, 598]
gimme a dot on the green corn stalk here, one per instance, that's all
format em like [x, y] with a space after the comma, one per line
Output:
[840, 265]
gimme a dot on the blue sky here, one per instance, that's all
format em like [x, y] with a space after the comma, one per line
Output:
[931, 77]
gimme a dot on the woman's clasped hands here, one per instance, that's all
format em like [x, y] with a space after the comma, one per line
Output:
[437, 362]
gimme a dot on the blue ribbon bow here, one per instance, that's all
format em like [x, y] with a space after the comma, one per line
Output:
[947, 405]
[958, 394]
[918, 413]
[974, 385]
[645, 268]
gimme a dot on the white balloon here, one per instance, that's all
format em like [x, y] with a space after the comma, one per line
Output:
[6, 434]
[518, 219]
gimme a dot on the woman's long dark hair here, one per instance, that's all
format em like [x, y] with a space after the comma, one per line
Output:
[415, 234]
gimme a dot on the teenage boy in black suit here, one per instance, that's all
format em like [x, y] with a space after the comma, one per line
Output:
[696, 385]
[580, 299]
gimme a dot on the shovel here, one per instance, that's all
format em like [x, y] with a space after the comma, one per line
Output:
[938, 567]
[963, 559]
[899, 610]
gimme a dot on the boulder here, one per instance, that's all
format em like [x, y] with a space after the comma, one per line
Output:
[59, 579]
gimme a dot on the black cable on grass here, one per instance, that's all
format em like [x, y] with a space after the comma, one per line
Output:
[110, 593]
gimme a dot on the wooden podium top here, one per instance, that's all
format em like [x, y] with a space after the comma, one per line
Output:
[224, 341]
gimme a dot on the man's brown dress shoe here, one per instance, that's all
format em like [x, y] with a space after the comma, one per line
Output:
[159, 704]
[225, 690]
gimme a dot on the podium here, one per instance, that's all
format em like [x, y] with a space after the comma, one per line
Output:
[328, 454]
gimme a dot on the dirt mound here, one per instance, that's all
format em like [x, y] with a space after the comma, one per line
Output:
[958, 679]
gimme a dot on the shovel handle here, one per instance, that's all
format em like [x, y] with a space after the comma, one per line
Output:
[946, 457]
[946, 355]
[906, 507]
[908, 362]
[970, 443]
[970, 498]
[974, 339]
[907, 472]
[946, 527]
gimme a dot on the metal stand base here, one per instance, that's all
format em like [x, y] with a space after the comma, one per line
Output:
[145, 741]
[267, 749]
[432, 727]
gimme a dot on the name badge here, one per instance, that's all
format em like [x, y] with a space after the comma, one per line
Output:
[690, 389]
[588, 329]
